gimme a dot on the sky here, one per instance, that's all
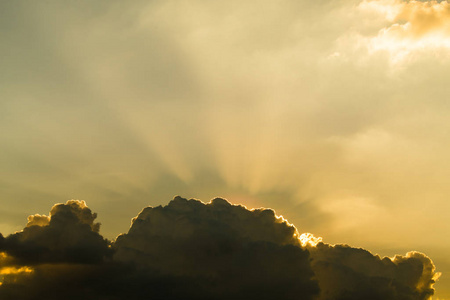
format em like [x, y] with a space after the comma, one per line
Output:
[333, 113]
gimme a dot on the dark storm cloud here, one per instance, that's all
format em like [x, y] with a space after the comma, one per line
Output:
[69, 234]
[239, 253]
[186, 249]
[349, 273]
[192, 250]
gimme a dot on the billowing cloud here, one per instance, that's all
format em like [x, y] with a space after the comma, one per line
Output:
[352, 273]
[289, 104]
[38, 220]
[236, 252]
[69, 234]
[192, 250]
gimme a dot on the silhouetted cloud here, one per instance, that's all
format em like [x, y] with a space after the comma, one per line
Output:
[192, 250]
[239, 253]
[349, 273]
[69, 234]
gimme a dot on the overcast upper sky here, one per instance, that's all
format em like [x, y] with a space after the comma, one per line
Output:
[334, 113]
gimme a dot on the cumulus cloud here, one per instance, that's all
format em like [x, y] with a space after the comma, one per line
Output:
[270, 103]
[344, 272]
[236, 251]
[192, 250]
[38, 220]
[69, 234]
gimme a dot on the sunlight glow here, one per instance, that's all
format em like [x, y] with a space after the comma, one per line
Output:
[402, 48]
[385, 8]
[14, 270]
[8, 269]
[416, 28]
[308, 239]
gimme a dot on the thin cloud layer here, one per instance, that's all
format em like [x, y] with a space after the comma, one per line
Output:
[192, 250]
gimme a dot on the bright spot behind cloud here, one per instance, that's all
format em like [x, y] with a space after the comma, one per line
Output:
[334, 113]
[409, 30]
[308, 239]
[189, 249]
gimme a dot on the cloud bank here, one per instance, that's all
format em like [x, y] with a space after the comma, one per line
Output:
[192, 250]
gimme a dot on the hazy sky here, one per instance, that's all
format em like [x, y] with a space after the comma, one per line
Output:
[334, 113]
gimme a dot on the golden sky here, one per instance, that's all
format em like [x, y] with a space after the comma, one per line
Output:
[333, 113]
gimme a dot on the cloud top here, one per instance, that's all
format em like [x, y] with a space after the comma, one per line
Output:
[68, 235]
[344, 272]
[194, 250]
